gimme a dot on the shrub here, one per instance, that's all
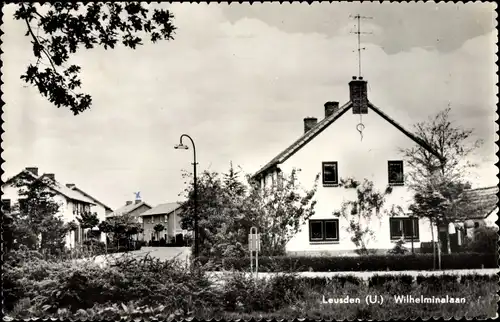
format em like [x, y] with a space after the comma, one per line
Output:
[356, 263]
[399, 248]
[484, 241]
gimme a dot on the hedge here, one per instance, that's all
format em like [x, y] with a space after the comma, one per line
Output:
[356, 263]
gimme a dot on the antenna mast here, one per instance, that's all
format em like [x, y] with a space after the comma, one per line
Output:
[358, 33]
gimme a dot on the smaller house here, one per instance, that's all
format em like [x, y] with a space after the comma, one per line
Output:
[482, 208]
[169, 215]
[133, 209]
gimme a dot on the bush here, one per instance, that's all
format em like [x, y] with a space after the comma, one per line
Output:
[356, 263]
[484, 241]
[399, 248]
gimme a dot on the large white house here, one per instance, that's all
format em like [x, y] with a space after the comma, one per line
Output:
[333, 147]
[72, 201]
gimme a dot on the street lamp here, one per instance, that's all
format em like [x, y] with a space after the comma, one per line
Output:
[185, 147]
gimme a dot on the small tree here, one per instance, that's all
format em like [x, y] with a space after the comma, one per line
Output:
[36, 223]
[279, 211]
[158, 229]
[105, 227]
[360, 212]
[440, 178]
[88, 220]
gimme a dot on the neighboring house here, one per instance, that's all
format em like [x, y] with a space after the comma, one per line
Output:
[356, 140]
[101, 209]
[133, 209]
[71, 202]
[169, 215]
[482, 206]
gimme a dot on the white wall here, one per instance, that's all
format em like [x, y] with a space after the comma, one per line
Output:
[367, 158]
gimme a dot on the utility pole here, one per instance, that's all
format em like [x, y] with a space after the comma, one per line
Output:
[359, 33]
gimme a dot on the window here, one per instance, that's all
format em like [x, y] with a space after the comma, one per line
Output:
[324, 230]
[5, 205]
[404, 228]
[395, 171]
[330, 174]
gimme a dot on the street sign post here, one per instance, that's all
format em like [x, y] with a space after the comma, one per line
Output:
[254, 246]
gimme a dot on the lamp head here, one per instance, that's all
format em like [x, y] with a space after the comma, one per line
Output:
[181, 146]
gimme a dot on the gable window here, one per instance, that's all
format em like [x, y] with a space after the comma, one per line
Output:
[330, 174]
[6, 206]
[323, 230]
[404, 228]
[395, 172]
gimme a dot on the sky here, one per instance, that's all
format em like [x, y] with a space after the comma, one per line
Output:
[239, 79]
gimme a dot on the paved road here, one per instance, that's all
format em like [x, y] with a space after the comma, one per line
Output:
[162, 253]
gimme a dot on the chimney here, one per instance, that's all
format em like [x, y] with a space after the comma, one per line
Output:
[70, 185]
[309, 123]
[128, 203]
[330, 108]
[137, 201]
[33, 170]
[51, 176]
[358, 95]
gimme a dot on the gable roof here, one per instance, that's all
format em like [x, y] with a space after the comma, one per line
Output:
[127, 209]
[55, 186]
[480, 202]
[323, 124]
[164, 208]
[75, 188]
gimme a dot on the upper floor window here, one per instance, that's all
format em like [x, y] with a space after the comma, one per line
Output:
[330, 173]
[324, 230]
[395, 172]
[404, 228]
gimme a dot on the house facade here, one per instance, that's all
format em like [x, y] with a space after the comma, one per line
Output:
[71, 203]
[354, 141]
[101, 209]
[167, 214]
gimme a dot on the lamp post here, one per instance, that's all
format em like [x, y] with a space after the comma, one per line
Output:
[185, 147]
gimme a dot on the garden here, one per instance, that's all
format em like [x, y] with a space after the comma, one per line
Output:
[148, 289]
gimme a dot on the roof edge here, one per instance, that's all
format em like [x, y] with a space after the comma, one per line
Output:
[412, 136]
[303, 140]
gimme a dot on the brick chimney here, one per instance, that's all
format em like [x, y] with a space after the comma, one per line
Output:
[309, 123]
[51, 176]
[330, 108]
[358, 95]
[138, 201]
[70, 185]
[128, 203]
[33, 170]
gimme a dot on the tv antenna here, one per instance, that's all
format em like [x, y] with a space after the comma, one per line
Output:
[359, 33]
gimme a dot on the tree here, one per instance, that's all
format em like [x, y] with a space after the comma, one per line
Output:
[219, 197]
[439, 182]
[360, 212]
[35, 221]
[105, 227]
[60, 29]
[158, 228]
[228, 208]
[123, 227]
[88, 220]
[279, 211]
